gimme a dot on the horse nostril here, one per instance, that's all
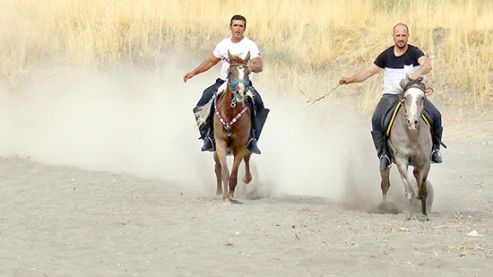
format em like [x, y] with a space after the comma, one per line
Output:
[415, 122]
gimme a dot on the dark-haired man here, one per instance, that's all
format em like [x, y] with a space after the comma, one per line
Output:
[398, 61]
[239, 45]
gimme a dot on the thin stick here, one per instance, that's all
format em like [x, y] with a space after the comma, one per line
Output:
[314, 101]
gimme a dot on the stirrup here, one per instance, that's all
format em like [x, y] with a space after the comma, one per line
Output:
[436, 157]
[385, 163]
[252, 146]
[208, 145]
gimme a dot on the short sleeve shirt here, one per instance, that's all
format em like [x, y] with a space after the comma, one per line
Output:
[240, 49]
[396, 68]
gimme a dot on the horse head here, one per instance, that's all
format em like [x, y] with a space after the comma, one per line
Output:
[238, 76]
[414, 100]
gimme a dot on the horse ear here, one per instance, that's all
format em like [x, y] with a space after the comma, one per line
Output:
[229, 56]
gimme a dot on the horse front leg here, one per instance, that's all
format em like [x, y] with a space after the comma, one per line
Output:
[385, 182]
[248, 176]
[233, 179]
[409, 192]
[221, 156]
[217, 169]
[421, 174]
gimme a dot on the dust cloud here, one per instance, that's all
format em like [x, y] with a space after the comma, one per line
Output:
[139, 122]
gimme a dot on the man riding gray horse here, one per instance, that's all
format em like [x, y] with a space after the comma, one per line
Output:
[399, 61]
[239, 45]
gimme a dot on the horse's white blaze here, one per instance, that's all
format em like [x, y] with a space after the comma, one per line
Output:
[412, 97]
[241, 76]
[413, 108]
[241, 73]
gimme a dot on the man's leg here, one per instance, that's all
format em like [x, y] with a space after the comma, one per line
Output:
[259, 116]
[436, 131]
[378, 134]
[206, 131]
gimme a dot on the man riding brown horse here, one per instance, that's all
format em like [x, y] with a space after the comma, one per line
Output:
[239, 45]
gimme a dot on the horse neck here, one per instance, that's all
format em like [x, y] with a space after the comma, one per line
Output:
[225, 105]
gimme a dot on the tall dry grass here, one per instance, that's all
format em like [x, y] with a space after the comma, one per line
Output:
[306, 44]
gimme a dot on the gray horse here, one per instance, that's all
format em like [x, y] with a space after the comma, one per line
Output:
[411, 144]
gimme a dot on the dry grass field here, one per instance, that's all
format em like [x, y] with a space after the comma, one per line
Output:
[308, 44]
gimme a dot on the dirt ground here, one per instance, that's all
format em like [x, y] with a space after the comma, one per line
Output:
[60, 221]
[116, 193]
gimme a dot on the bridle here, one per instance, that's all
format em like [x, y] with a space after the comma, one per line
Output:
[236, 98]
[417, 85]
[234, 84]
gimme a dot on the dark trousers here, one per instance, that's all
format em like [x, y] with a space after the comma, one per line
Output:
[389, 100]
[209, 92]
[259, 103]
[384, 105]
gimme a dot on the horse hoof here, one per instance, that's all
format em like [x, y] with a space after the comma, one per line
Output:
[247, 179]
[386, 207]
[227, 201]
[233, 201]
[411, 216]
[230, 201]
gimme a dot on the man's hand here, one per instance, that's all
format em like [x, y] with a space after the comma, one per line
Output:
[344, 81]
[204, 66]
[414, 77]
[187, 76]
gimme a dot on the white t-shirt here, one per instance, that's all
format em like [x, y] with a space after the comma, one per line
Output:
[240, 49]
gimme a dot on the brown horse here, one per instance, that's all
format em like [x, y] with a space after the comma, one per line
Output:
[232, 123]
[411, 144]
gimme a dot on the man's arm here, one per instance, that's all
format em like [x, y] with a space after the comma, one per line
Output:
[256, 65]
[204, 66]
[423, 70]
[361, 76]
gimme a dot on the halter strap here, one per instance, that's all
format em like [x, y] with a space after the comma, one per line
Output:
[237, 81]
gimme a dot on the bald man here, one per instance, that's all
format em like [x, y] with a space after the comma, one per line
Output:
[398, 61]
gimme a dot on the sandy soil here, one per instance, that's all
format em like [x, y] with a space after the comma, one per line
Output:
[59, 221]
[79, 198]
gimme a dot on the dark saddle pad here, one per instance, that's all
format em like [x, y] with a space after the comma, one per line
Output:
[389, 117]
